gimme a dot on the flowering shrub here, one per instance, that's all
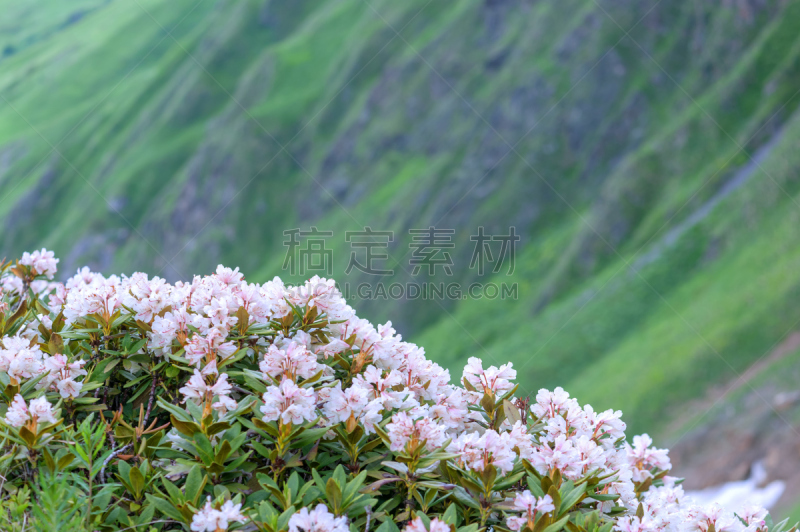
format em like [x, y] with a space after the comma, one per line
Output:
[129, 403]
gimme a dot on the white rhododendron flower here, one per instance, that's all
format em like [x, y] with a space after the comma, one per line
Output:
[317, 520]
[20, 413]
[17, 413]
[292, 361]
[210, 519]
[68, 388]
[43, 262]
[436, 525]
[644, 460]
[495, 381]
[289, 403]
[404, 430]
[530, 507]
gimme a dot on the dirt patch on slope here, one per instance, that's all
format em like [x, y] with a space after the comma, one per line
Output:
[756, 417]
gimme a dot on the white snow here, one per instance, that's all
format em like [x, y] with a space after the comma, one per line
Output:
[735, 495]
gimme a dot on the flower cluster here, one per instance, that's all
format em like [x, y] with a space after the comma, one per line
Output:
[19, 413]
[210, 519]
[530, 506]
[219, 404]
[318, 519]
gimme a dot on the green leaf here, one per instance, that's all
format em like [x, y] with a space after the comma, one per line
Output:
[223, 453]
[605, 496]
[558, 525]
[195, 482]
[334, 494]
[137, 481]
[174, 410]
[553, 492]
[465, 498]
[507, 482]
[174, 493]
[111, 365]
[354, 486]
[124, 470]
[388, 526]
[450, 515]
[569, 499]
[165, 507]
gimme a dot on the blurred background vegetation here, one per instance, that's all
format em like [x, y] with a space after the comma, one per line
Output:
[645, 151]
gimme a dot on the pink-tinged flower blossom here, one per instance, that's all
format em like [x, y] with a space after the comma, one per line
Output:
[551, 404]
[293, 361]
[19, 358]
[58, 297]
[605, 423]
[206, 348]
[59, 367]
[165, 328]
[530, 506]
[69, 388]
[39, 409]
[521, 440]
[635, 524]
[436, 525]
[493, 380]
[147, 297]
[195, 388]
[320, 293]
[704, 519]
[753, 515]
[221, 386]
[644, 459]
[205, 520]
[223, 404]
[452, 409]
[289, 403]
[228, 276]
[273, 294]
[43, 262]
[317, 520]
[42, 410]
[526, 502]
[480, 451]
[342, 404]
[210, 369]
[84, 300]
[198, 390]
[232, 512]
[220, 392]
[220, 314]
[382, 387]
[12, 284]
[334, 347]
[404, 430]
[17, 413]
[559, 454]
[209, 519]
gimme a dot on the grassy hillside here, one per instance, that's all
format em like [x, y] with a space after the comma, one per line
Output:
[656, 257]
